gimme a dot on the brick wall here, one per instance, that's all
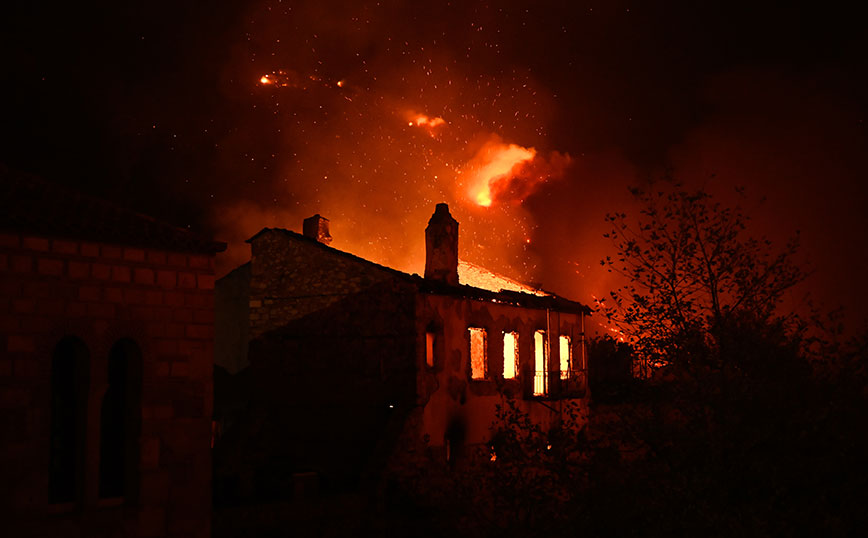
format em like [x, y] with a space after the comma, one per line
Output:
[100, 293]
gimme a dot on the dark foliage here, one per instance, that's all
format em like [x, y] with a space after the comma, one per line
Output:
[752, 427]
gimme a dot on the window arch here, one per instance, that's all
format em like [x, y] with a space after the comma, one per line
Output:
[120, 422]
[70, 370]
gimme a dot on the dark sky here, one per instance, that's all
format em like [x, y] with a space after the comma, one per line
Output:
[160, 107]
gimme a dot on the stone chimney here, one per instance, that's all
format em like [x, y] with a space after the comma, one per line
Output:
[441, 246]
[317, 228]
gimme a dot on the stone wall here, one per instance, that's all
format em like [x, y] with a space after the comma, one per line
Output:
[292, 276]
[332, 361]
[100, 294]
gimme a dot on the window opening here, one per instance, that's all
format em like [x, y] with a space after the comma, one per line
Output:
[566, 356]
[510, 355]
[429, 349]
[540, 378]
[477, 353]
[69, 389]
[120, 422]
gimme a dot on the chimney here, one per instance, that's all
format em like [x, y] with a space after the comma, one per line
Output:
[441, 246]
[317, 228]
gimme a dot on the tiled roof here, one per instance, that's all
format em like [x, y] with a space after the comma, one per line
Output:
[521, 297]
[34, 206]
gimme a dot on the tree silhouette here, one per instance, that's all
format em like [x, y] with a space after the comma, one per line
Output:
[693, 270]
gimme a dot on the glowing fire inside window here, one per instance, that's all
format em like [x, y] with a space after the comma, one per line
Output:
[477, 353]
[540, 358]
[429, 349]
[510, 355]
[566, 355]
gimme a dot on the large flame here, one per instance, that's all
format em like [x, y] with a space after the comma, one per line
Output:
[496, 162]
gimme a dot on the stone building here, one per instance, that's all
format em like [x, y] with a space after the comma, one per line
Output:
[349, 360]
[106, 360]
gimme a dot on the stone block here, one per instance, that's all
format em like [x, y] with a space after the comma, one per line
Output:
[186, 280]
[183, 315]
[167, 279]
[23, 306]
[90, 250]
[114, 295]
[49, 266]
[180, 369]
[108, 251]
[64, 247]
[178, 260]
[134, 296]
[143, 275]
[120, 273]
[76, 309]
[200, 262]
[200, 332]
[203, 316]
[35, 243]
[162, 369]
[89, 293]
[206, 282]
[134, 254]
[174, 298]
[50, 307]
[101, 271]
[18, 343]
[22, 264]
[78, 270]
[156, 257]
[101, 310]
[35, 324]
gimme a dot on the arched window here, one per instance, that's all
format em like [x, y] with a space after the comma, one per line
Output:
[69, 389]
[120, 423]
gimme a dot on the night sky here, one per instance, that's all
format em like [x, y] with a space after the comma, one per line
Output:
[227, 117]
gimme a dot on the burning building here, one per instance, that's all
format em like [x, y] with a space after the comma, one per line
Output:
[349, 361]
[106, 356]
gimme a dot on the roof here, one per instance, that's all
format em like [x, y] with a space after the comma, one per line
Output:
[512, 292]
[31, 205]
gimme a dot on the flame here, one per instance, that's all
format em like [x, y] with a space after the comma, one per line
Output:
[496, 162]
[430, 124]
[287, 78]
[424, 121]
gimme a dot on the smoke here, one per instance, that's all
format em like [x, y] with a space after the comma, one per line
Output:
[371, 127]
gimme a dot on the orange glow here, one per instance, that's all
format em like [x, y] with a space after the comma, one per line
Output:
[480, 277]
[494, 166]
[264, 80]
[340, 83]
[540, 378]
[510, 354]
[424, 121]
[477, 353]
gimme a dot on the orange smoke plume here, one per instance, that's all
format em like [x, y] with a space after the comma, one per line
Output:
[509, 172]
[425, 122]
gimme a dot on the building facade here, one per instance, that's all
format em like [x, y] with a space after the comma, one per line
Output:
[351, 362]
[106, 364]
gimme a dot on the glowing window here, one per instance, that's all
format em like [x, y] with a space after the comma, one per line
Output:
[540, 358]
[510, 355]
[566, 355]
[477, 353]
[429, 349]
